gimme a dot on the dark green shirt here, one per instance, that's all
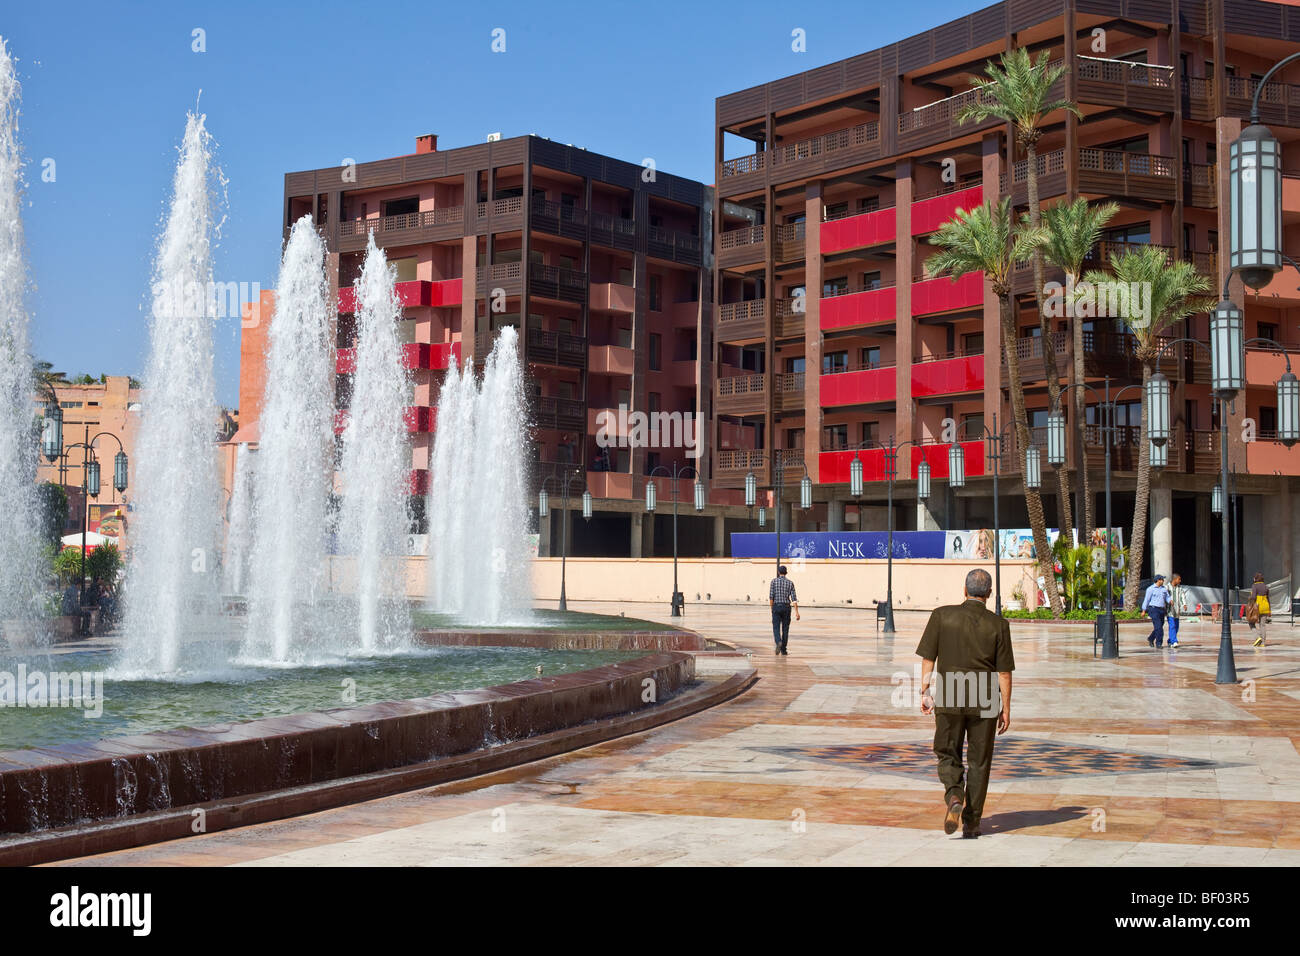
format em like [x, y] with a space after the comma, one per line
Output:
[970, 646]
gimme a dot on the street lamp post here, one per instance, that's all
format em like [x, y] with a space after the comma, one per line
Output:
[544, 511]
[891, 475]
[90, 484]
[651, 498]
[778, 480]
[1106, 409]
[1033, 479]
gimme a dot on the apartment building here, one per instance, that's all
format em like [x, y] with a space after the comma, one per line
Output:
[830, 331]
[603, 267]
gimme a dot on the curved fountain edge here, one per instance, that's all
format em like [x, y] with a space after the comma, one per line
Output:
[285, 766]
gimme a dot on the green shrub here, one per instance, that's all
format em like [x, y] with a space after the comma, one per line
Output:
[67, 565]
[104, 563]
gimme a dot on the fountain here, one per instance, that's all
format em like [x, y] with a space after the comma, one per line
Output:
[239, 524]
[294, 477]
[376, 461]
[20, 585]
[172, 582]
[478, 503]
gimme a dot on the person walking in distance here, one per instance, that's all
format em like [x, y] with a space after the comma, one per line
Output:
[964, 646]
[1154, 605]
[1259, 610]
[782, 599]
[1176, 598]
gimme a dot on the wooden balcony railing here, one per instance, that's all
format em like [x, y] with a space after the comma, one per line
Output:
[743, 164]
[604, 222]
[860, 135]
[741, 459]
[742, 385]
[414, 220]
[741, 311]
[500, 272]
[1047, 163]
[942, 111]
[745, 236]
[790, 382]
[1122, 161]
[501, 207]
[1122, 71]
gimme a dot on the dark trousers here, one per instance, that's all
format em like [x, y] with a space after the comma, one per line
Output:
[781, 624]
[951, 731]
[1157, 615]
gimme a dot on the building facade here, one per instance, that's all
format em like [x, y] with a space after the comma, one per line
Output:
[830, 332]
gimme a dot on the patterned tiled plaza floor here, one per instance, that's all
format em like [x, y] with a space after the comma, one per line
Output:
[1140, 761]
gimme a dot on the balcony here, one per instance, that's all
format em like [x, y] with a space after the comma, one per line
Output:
[1032, 358]
[413, 294]
[857, 307]
[685, 315]
[442, 356]
[613, 297]
[789, 242]
[614, 484]
[937, 122]
[791, 316]
[741, 395]
[558, 283]
[560, 219]
[1119, 83]
[1116, 172]
[829, 151]
[859, 232]
[556, 348]
[1200, 185]
[1281, 290]
[499, 215]
[415, 355]
[558, 414]
[1198, 98]
[937, 455]
[858, 386]
[744, 165]
[788, 392]
[732, 464]
[942, 294]
[684, 372]
[610, 360]
[930, 213]
[1264, 368]
[420, 419]
[833, 465]
[506, 276]
[1267, 456]
[742, 321]
[1051, 178]
[741, 246]
[614, 232]
[672, 245]
[1279, 104]
[441, 223]
[948, 374]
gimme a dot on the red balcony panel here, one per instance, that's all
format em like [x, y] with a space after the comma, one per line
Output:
[937, 456]
[415, 355]
[412, 294]
[420, 418]
[444, 355]
[441, 293]
[941, 294]
[929, 214]
[855, 232]
[418, 481]
[1267, 457]
[964, 373]
[833, 466]
[859, 387]
[860, 308]
[345, 361]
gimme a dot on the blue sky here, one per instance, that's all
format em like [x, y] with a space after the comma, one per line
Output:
[106, 89]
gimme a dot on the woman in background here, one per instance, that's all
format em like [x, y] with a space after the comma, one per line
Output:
[1261, 610]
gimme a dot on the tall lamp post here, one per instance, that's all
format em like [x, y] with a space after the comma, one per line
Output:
[778, 481]
[1107, 409]
[957, 478]
[564, 480]
[90, 485]
[1033, 475]
[651, 499]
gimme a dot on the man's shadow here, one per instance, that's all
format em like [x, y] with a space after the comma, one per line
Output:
[1019, 819]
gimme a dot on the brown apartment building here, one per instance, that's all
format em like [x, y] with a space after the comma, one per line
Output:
[603, 266]
[829, 331]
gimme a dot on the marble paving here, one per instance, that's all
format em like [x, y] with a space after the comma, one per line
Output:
[826, 761]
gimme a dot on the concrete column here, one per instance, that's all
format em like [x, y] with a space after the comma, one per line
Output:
[834, 515]
[1162, 530]
[927, 517]
[719, 536]
[1203, 526]
[1288, 525]
[648, 536]
[636, 537]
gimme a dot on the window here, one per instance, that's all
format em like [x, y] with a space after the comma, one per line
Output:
[624, 276]
[834, 362]
[1138, 232]
[795, 365]
[656, 294]
[1211, 153]
[836, 211]
[871, 357]
[1267, 421]
[1267, 330]
[835, 436]
[871, 431]
[869, 204]
[401, 207]
[654, 402]
[871, 280]
[794, 438]
[836, 286]
[656, 358]
[568, 262]
[657, 221]
[972, 343]
[972, 426]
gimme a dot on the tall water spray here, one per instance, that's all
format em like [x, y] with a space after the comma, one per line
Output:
[294, 476]
[172, 580]
[19, 578]
[239, 521]
[479, 566]
[376, 460]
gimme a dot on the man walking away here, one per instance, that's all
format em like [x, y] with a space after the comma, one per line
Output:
[964, 645]
[1154, 605]
[781, 598]
[1176, 598]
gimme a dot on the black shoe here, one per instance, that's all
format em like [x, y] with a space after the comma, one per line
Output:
[784, 651]
[970, 833]
[952, 816]
[1151, 642]
[778, 650]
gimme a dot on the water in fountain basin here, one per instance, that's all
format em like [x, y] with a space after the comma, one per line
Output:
[479, 569]
[288, 616]
[172, 581]
[376, 462]
[19, 578]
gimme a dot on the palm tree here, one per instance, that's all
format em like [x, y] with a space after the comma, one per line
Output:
[1177, 290]
[985, 239]
[1070, 231]
[1019, 92]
